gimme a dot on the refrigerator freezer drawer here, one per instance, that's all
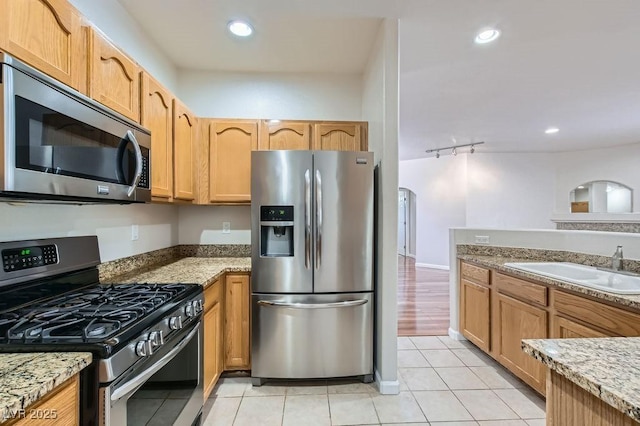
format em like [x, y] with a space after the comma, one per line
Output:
[312, 336]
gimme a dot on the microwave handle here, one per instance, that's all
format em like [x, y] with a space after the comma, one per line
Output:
[138, 173]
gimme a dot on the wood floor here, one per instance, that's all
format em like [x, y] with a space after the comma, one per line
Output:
[423, 300]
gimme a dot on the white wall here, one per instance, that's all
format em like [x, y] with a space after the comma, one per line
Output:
[440, 186]
[203, 224]
[618, 164]
[272, 95]
[113, 20]
[380, 109]
[158, 225]
[510, 190]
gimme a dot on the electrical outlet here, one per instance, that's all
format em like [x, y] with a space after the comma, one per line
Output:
[226, 227]
[134, 233]
[482, 239]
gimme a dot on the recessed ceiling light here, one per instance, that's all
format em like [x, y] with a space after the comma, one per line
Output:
[487, 36]
[552, 130]
[581, 187]
[240, 28]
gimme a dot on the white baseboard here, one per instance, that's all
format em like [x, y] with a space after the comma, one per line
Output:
[456, 335]
[387, 387]
[432, 266]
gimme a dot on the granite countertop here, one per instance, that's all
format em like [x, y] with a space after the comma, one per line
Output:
[609, 367]
[497, 263]
[199, 270]
[27, 377]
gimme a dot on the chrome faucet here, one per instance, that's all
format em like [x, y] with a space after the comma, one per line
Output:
[616, 259]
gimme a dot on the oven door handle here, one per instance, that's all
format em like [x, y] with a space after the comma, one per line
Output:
[139, 380]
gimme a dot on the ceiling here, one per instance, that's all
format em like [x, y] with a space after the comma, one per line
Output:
[573, 64]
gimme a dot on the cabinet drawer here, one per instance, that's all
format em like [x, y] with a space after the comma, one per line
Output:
[212, 295]
[614, 320]
[474, 273]
[521, 289]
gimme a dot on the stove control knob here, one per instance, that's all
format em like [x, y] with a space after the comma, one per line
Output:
[200, 305]
[175, 323]
[156, 338]
[197, 306]
[189, 311]
[144, 348]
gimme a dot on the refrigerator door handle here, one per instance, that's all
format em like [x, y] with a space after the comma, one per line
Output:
[318, 184]
[307, 219]
[345, 304]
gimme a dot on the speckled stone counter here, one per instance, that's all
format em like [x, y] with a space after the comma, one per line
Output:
[27, 377]
[497, 263]
[608, 368]
[199, 270]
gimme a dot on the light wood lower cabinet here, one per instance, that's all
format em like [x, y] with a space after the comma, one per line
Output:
[236, 322]
[475, 313]
[59, 408]
[570, 405]
[213, 336]
[565, 328]
[513, 321]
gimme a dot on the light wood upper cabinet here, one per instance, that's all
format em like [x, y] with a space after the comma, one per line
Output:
[114, 77]
[513, 321]
[48, 35]
[184, 146]
[236, 322]
[230, 146]
[284, 135]
[157, 117]
[348, 136]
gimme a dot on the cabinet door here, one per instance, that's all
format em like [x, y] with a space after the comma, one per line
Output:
[230, 146]
[114, 77]
[48, 35]
[475, 313]
[157, 117]
[64, 401]
[184, 145]
[564, 328]
[516, 321]
[338, 137]
[213, 333]
[236, 323]
[285, 135]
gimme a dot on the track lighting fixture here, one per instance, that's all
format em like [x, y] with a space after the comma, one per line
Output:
[454, 148]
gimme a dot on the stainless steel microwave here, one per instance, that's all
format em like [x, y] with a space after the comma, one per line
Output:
[60, 146]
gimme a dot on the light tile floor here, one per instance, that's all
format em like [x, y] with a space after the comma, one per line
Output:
[443, 382]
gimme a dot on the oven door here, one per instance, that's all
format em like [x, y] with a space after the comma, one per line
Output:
[166, 389]
[60, 143]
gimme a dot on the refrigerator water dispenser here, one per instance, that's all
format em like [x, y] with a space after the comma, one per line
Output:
[276, 231]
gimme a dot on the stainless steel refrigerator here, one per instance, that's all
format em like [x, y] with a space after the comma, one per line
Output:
[312, 297]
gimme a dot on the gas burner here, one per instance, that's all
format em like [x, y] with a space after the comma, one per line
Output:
[91, 315]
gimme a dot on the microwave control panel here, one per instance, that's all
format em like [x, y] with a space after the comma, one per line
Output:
[17, 259]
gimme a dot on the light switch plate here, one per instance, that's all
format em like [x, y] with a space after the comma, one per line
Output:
[226, 227]
[134, 233]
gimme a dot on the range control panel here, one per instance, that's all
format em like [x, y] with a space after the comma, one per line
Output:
[17, 259]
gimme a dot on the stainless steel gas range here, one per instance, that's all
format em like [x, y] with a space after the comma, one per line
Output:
[146, 339]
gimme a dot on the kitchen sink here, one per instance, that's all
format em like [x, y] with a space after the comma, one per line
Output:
[586, 276]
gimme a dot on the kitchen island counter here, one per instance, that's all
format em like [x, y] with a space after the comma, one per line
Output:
[607, 368]
[27, 377]
[198, 270]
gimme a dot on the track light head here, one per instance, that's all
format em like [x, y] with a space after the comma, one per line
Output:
[453, 151]
[437, 154]
[472, 149]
